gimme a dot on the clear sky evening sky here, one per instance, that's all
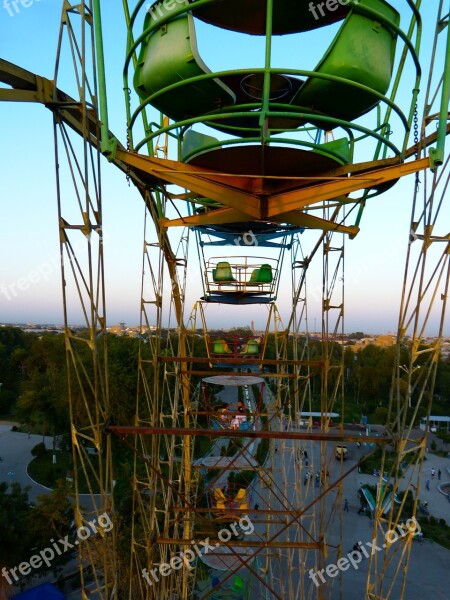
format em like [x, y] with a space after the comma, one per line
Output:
[28, 221]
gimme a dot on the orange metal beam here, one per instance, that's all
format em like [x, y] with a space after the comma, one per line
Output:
[298, 199]
[236, 433]
[246, 544]
[228, 215]
[239, 360]
[303, 219]
[226, 190]
[234, 373]
[220, 216]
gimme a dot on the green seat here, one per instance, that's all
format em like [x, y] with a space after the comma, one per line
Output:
[222, 273]
[362, 51]
[197, 143]
[265, 274]
[251, 347]
[261, 275]
[238, 584]
[169, 55]
[221, 347]
[254, 277]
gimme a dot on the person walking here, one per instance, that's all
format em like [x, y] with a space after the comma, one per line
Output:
[439, 474]
[433, 471]
[427, 485]
[346, 505]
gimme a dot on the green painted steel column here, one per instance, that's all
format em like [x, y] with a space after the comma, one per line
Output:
[106, 145]
[437, 154]
[267, 63]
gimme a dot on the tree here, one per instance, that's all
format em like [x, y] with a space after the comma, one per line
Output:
[43, 401]
[25, 530]
[13, 342]
[15, 534]
[52, 518]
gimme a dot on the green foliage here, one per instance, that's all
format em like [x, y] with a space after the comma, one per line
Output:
[357, 335]
[202, 446]
[39, 450]
[65, 442]
[436, 530]
[14, 346]
[53, 513]
[42, 403]
[262, 450]
[241, 479]
[380, 415]
[15, 533]
[123, 363]
[44, 471]
[432, 528]
[234, 445]
[25, 529]
[373, 462]
[445, 437]
[123, 491]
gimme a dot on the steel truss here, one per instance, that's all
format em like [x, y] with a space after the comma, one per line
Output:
[167, 490]
[78, 178]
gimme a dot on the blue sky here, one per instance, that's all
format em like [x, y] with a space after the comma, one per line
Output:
[28, 222]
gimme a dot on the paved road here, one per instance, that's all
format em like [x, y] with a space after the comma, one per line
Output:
[428, 575]
[15, 450]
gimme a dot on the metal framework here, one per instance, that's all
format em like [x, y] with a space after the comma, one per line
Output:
[297, 521]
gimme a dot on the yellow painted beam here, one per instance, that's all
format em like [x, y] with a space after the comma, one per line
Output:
[298, 199]
[214, 217]
[213, 186]
[8, 95]
[311, 222]
[227, 215]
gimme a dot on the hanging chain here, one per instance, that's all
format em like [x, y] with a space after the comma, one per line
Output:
[128, 171]
[416, 141]
[416, 131]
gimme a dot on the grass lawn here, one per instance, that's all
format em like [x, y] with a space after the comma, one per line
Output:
[42, 470]
[435, 529]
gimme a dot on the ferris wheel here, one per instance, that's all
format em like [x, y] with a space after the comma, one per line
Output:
[253, 181]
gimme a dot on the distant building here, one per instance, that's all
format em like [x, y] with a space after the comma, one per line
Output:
[435, 423]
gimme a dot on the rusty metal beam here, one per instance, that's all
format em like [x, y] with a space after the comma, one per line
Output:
[244, 511]
[237, 374]
[235, 433]
[246, 544]
[235, 361]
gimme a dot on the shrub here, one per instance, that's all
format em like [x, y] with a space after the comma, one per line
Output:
[39, 450]
[380, 415]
